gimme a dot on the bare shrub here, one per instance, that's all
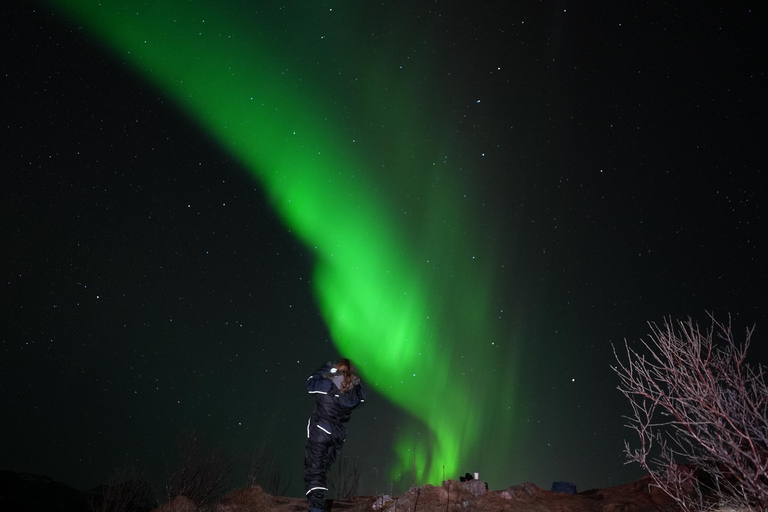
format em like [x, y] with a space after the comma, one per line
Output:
[200, 474]
[345, 478]
[127, 491]
[700, 412]
[260, 467]
[266, 473]
[278, 484]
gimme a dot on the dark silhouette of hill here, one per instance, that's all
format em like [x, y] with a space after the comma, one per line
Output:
[25, 492]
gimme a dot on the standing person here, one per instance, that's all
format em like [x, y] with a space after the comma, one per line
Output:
[337, 390]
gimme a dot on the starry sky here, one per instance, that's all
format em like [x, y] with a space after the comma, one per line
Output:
[203, 202]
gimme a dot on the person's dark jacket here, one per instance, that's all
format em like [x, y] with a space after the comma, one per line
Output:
[330, 403]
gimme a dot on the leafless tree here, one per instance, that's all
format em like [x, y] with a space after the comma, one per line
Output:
[127, 491]
[345, 478]
[200, 474]
[700, 412]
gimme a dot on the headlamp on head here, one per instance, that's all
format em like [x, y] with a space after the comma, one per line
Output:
[334, 370]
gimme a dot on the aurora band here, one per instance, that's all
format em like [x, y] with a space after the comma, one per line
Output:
[399, 290]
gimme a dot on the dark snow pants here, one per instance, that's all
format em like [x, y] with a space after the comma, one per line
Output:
[324, 440]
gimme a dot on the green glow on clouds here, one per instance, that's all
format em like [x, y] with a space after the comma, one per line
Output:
[352, 151]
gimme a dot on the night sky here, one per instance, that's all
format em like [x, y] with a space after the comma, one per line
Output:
[203, 202]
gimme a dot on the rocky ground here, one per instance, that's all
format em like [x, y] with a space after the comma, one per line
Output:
[454, 496]
[20, 492]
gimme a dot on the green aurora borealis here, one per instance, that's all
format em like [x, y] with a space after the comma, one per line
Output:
[347, 135]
